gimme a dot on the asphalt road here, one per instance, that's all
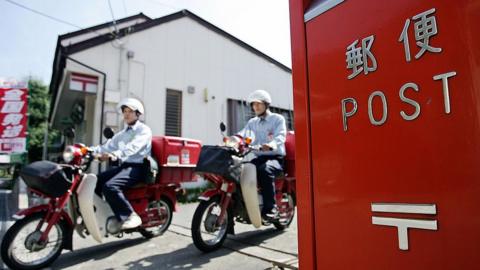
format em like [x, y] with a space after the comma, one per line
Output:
[248, 249]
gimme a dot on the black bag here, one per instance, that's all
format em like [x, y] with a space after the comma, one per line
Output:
[151, 169]
[215, 160]
[47, 177]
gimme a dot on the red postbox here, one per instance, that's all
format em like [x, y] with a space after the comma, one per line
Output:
[387, 101]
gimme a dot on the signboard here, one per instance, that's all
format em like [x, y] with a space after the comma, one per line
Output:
[83, 83]
[13, 117]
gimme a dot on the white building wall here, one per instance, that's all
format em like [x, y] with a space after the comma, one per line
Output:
[183, 53]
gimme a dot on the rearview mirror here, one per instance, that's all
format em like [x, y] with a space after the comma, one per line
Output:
[223, 127]
[108, 132]
[69, 132]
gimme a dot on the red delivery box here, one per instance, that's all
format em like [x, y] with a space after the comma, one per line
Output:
[176, 157]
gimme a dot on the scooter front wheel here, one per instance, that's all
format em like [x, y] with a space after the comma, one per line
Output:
[21, 246]
[207, 234]
[287, 212]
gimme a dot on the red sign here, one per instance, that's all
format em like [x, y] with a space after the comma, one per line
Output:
[83, 83]
[13, 119]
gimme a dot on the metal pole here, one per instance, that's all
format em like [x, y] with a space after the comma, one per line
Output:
[45, 141]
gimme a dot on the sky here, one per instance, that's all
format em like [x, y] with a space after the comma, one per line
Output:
[28, 40]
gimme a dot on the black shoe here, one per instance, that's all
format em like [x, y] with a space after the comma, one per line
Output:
[271, 215]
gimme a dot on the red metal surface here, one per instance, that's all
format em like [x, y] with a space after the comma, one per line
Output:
[290, 157]
[210, 193]
[306, 236]
[172, 174]
[184, 151]
[434, 159]
[139, 197]
[164, 146]
[41, 208]
[226, 198]
[54, 210]
[170, 192]
[140, 205]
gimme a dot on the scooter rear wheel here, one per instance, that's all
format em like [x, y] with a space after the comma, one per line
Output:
[165, 208]
[207, 235]
[21, 249]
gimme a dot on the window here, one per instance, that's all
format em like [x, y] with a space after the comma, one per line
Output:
[288, 114]
[173, 113]
[239, 113]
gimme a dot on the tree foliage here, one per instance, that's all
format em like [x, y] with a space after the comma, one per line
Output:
[38, 110]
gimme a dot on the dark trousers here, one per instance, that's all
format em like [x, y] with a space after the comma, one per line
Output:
[268, 168]
[114, 181]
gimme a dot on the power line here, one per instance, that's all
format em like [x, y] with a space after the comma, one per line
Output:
[43, 14]
[113, 17]
[52, 17]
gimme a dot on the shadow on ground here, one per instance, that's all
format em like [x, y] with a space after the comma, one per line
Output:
[188, 257]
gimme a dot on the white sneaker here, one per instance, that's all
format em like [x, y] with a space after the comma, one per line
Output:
[133, 221]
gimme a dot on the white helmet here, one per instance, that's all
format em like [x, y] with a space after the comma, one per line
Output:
[131, 103]
[259, 96]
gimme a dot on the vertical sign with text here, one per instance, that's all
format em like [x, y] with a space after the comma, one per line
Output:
[13, 119]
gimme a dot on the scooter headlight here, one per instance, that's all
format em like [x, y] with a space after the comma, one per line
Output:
[232, 141]
[68, 154]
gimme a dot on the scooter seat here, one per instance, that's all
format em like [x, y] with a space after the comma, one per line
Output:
[140, 185]
[280, 176]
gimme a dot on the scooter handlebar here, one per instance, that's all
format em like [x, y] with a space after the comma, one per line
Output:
[110, 157]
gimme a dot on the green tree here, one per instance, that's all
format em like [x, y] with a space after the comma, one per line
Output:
[37, 122]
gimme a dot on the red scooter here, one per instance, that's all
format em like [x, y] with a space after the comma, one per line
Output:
[40, 233]
[236, 195]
